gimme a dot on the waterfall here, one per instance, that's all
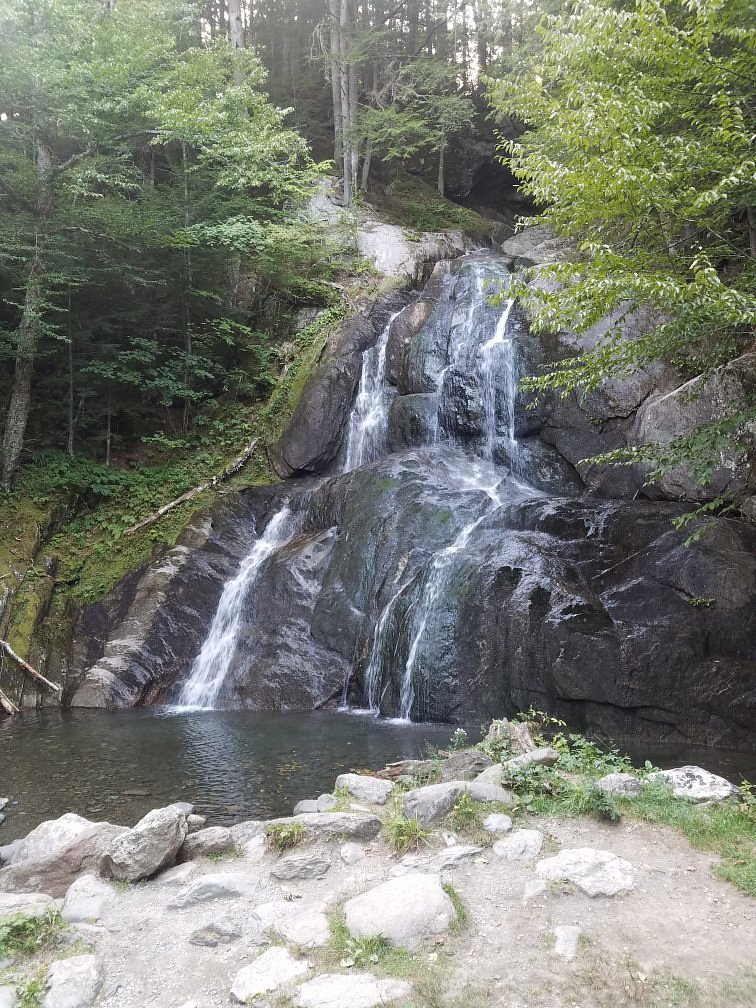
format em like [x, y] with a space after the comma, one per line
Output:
[211, 666]
[368, 421]
[498, 355]
[373, 672]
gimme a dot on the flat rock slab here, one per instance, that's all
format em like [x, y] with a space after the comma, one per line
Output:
[217, 885]
[302, 865]
[624, 784]
[303, 924]
[696, 784]
[152, 845]
[269, 972]
[521, 845]
[73, 983]
[405, 910]
[354, 990]
[436, 862]
[219, 932]
[327, 825]
[179, 875]
[25, 904]
[207, 843]
[432, 803]
[86, 899]
[369, 789]
[594, 872]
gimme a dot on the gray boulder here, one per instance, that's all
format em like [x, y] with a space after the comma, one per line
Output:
[353, 990]
[25, 905]
[306, 805]
[302, 865]
[330, 825]
[594, 872]
[86, 899]
[369, 789]
[497, 822]
[538, 757]
[326, 802]
[623, 784]
[430, 804]
[51, 835]
[466, 765]
[302, 924]
[520, 845]
[406, 910]
[270, 972]
[536, 245]
[218, 885]
[207, 843]
[148, 848]
[695, 784]
[74, 983]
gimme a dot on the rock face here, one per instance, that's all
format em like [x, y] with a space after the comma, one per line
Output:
[151, 846]
[696, 784]
[405, 910]
[594, 872]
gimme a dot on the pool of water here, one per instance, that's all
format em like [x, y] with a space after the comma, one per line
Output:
[232, 765]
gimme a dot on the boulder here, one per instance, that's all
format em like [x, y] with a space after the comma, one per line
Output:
[369, 789]
[149, 847]
[351, 853]
[53, 873]
[594, 872]
[302, 924]
[353, 990]
[536, 245]
[306, 805]
[179, 875]
[465, 766]
[623, 784]
[520, 845]
[438, 862]
[305, 864]
[50, 836]
[326, 803]
[330, 825]
[538, 757]
[433, 802]
[217, 885]
[269, 972]
[86, 899]
[405, 910]
[73, 983]
[26, 905]
[195, 823]
[497, 822]
[207, 843]
[694, 784]
[493, 775]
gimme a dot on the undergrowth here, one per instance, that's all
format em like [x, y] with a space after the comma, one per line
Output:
[25, 936]
[285, 836]
[404, 834]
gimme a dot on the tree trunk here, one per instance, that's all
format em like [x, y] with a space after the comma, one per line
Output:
[235, 24]
[366, 164]
[441, 157]
[334, 70]
[347, 139]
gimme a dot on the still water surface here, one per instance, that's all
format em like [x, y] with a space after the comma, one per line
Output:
[232, 765]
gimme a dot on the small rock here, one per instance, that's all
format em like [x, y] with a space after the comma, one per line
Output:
[207, 843]
[268, 973]
[302, 865]
[8, 997]
[369, 789]
[218, 885]
[696, 784]
[303, 924]
[566, 941]
[466, 765]
[4, 803]
[151, 845]
[405, 910]
[497, 822]
[25, 904]
[220, 932]
[355, 990]
[183, 806]
[179, 875]
[307, 805]
[326, 802]
[349, 825]
[538, 757]
[195, 823]
[86, 899]
[73, 983]
[351, 853]
[436, 863]
[594, 872]
[623, 784]
[522, 845]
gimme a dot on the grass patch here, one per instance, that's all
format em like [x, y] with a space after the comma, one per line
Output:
[374, 952]
[460, 911]
[282, 837]
[417, 206]
[404, 835]
[25, 936]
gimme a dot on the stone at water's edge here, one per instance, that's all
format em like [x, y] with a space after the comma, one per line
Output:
[269, 972]
[695, 784]
[52, 835]
[206, 843]
[369, 789]
[74, 983]
[594, 872]
[150, 846]
[355, 990]
[405, 910]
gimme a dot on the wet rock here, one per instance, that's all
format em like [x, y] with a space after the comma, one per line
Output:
[406, 910]
[566, 939]
[624, 784]
[332, 825]
[151, 846]
[465, 766]
[403, 328]
[302, 924]
[497, 822]
[354, 990]
[214, 886]
[53, 873]
[594, 872]
[86, 899]
[25, 905]
[695, 784]
[74, 983]
[270, 972]
[538, 757]
[4, 803]
[206, 843]
[412, 420]
[369, 789]
[520, 845]
[302, 865]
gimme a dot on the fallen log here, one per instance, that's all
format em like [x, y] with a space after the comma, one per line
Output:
[7, 704]
[32, 672]
[231, 469]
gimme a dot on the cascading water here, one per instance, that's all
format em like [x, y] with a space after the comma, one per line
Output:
[211, 666]
[498, 356]
[368, 422]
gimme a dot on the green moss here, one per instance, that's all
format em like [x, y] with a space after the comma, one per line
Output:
[418, 207]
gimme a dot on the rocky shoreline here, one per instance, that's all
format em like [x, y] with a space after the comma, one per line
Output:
[443, 882]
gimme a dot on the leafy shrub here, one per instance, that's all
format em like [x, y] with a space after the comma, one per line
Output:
[285, 836]
[20, 935]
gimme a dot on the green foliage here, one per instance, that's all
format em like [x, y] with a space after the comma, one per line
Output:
[467, 814]
[639, 149]
[23, 936]
[285, 836]
[404, 835]
[459, 740]
[460, 911]
[31, 992]
[415, 205]
[363, 953]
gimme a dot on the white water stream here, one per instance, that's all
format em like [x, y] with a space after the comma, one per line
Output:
[368, 422]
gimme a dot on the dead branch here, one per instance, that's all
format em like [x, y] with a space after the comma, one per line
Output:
[32, 672]
[8, 706]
